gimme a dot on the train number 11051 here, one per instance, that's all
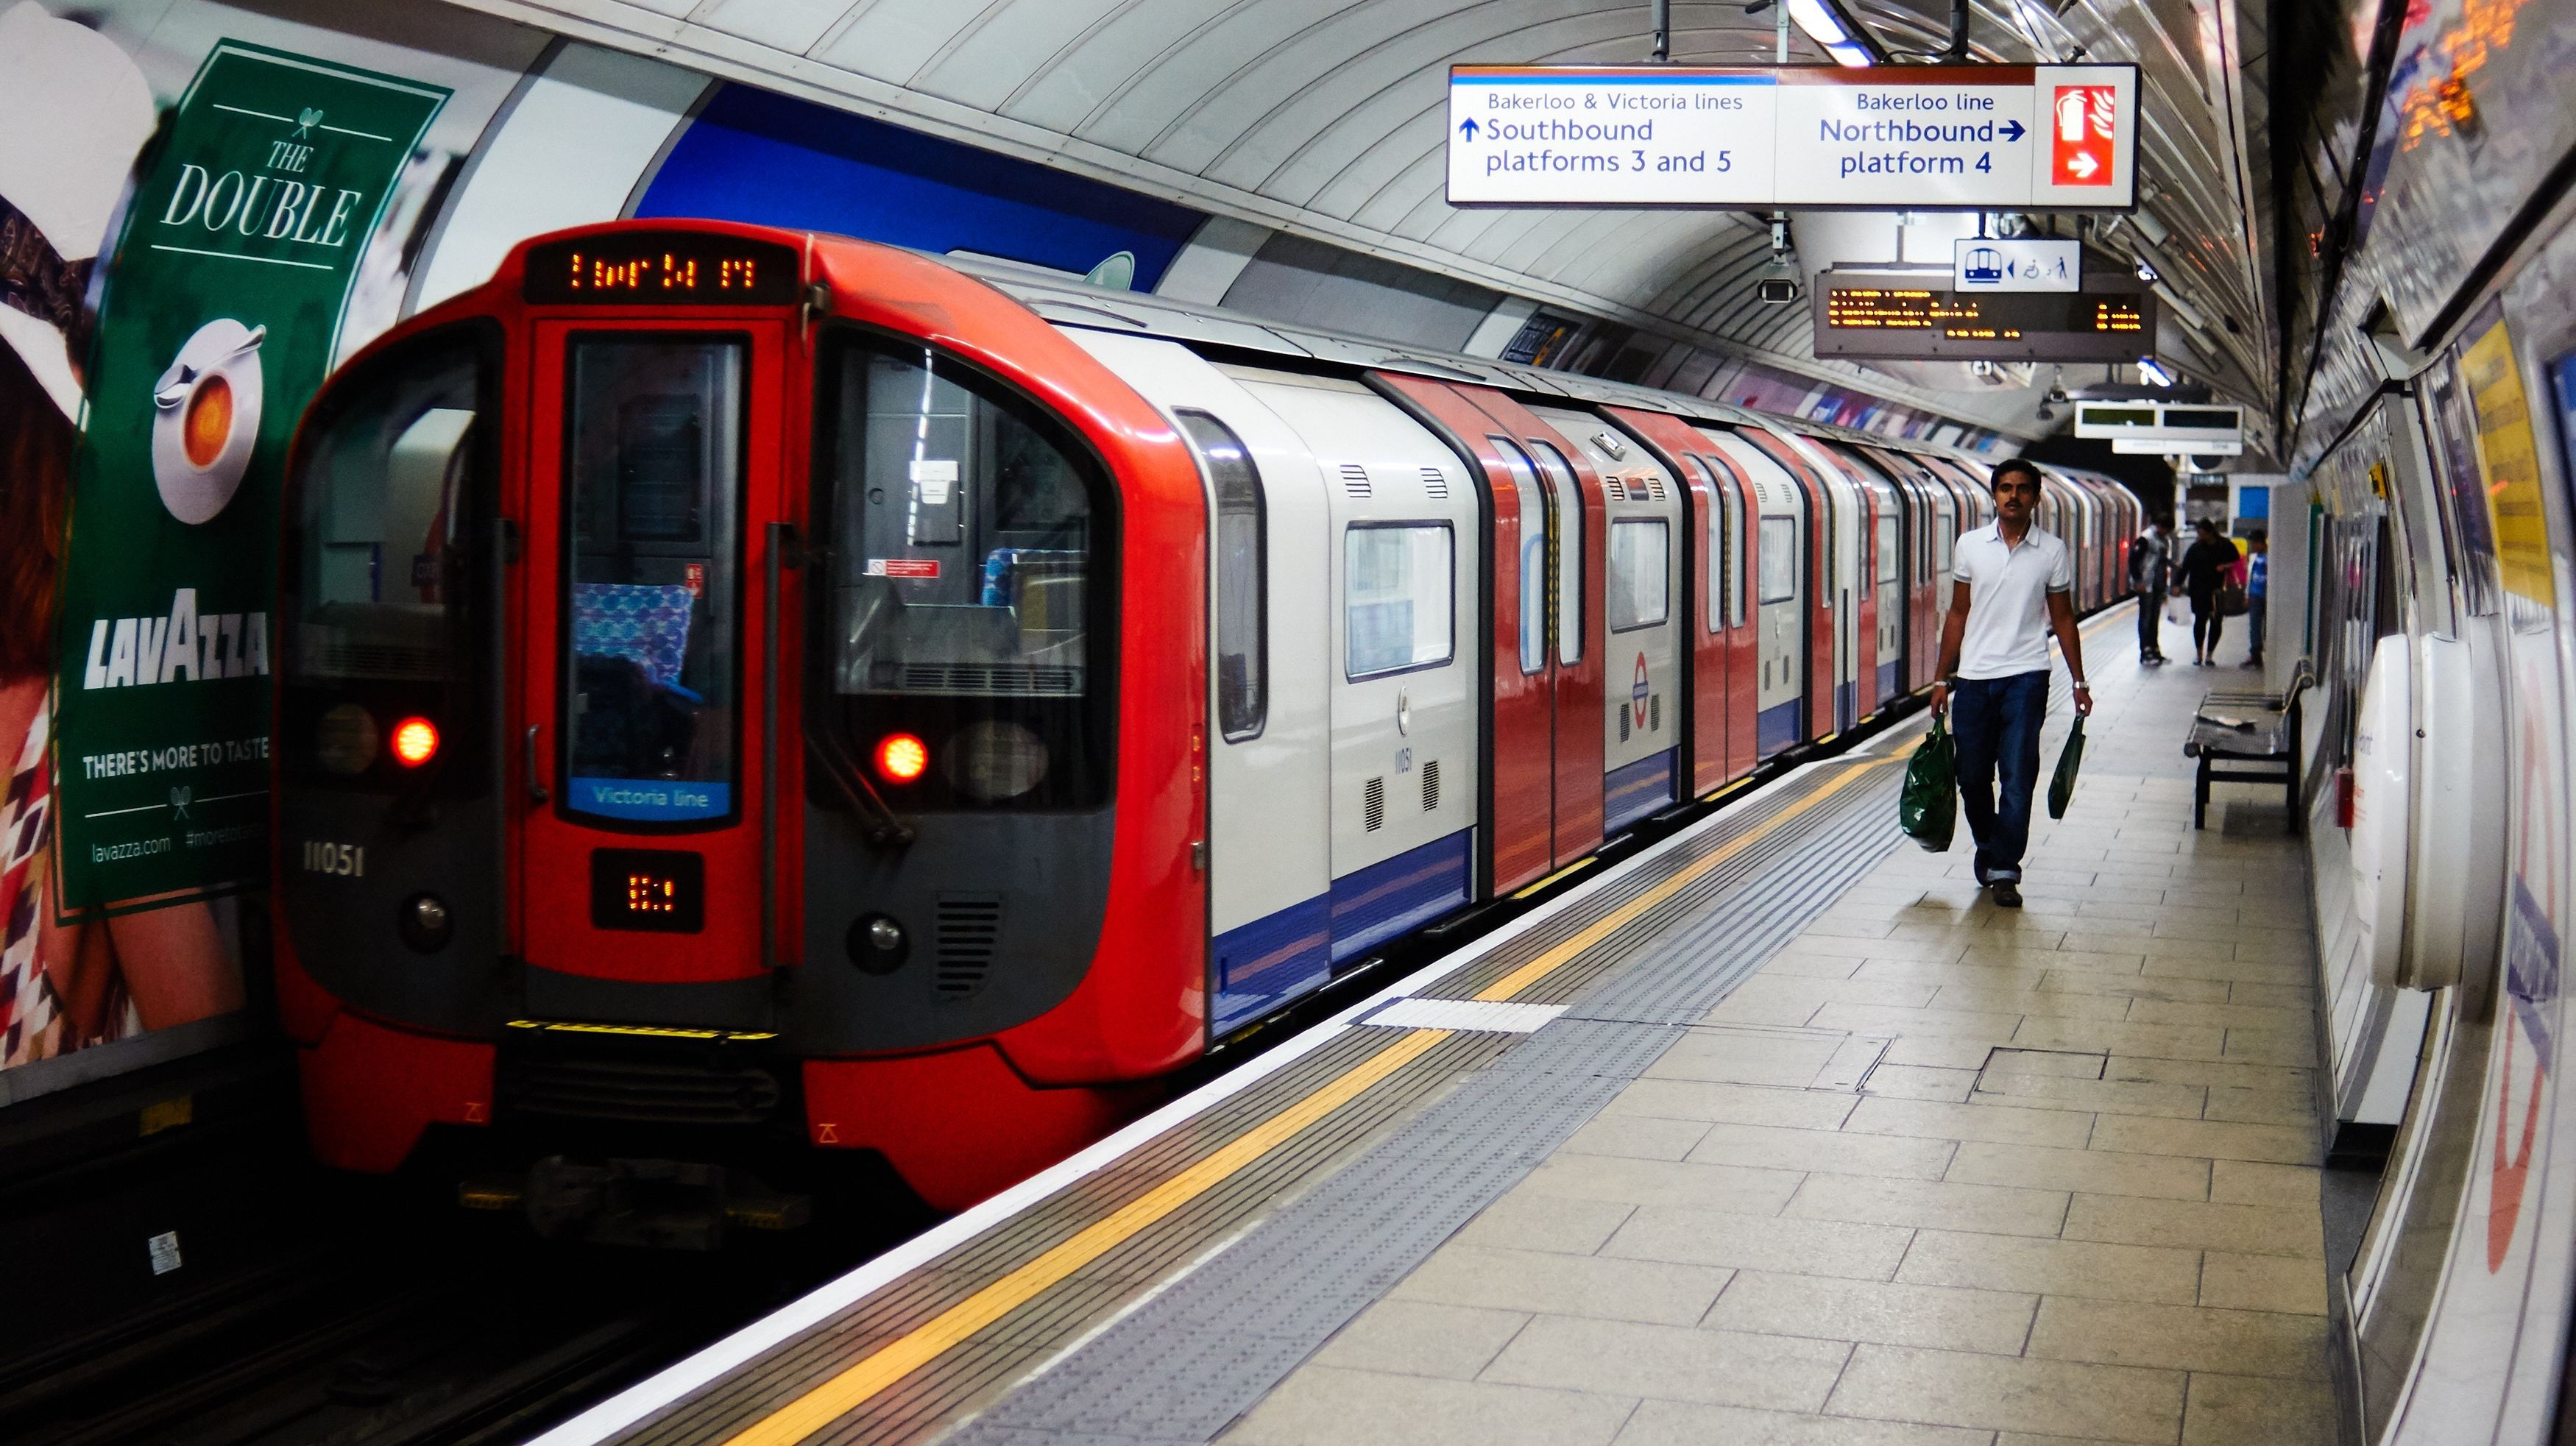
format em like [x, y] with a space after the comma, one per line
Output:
[346, 860]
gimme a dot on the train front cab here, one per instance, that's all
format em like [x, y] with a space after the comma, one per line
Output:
[663, 688]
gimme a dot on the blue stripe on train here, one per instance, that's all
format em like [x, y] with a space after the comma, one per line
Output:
[1775, 728]
[1379, 902]
[1266, 963]
[1263, 965]
[1635, 790]
[1846, 705]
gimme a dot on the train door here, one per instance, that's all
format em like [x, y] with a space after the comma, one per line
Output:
[1849, 527]
[645, 707]
[1716, 633]
[1817, 582]
[1402, 598]
[1576, 518]
[1519, 838]
[1644, 682]
[1779, 574]
[1884, 621]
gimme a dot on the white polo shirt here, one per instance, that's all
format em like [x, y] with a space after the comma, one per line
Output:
[2008, 590]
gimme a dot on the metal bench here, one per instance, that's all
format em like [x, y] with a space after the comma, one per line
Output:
[2245, 737]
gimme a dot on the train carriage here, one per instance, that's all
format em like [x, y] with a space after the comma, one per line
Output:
[798, 702]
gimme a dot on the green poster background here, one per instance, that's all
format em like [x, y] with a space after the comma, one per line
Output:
[223, 298]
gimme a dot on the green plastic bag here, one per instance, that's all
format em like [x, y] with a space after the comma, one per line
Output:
[2069, 759]
[1927, 809]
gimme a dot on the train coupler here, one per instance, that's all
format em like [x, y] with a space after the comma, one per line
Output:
[656, 1204]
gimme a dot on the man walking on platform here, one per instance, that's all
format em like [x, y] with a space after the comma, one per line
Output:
[2013, 585]
[2150, 577]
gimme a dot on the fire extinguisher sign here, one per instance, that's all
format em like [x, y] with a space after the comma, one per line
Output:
[2084, 127]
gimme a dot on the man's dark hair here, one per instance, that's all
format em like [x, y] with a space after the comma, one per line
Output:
[2017, 464]
[2260, 535]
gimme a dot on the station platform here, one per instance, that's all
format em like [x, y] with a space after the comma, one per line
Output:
[1777, 1132]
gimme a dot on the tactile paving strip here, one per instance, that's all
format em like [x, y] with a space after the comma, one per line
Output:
[1199, 1353]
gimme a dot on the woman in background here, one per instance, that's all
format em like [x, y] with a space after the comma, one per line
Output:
[2205, 567]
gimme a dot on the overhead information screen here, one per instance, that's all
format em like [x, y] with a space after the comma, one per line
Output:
[646, 268]
[1887, 319]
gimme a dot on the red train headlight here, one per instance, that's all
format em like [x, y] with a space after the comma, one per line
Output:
[415, 741]
[901, 758]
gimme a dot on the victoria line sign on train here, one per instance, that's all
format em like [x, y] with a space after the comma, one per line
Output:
[1928, 137]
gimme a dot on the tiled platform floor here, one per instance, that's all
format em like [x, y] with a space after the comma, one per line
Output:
[1940, 1175]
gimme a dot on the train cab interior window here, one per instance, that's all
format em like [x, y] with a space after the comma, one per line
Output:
[2462, 499]
[1567, 555]
[380, 592]
[1399, 583]
[1779, 559]
[654, 473]
[1532, 506]
[963, 600]
[1640, 573]
[1242, 577]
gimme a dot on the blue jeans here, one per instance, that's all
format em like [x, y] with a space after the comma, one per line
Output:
[1996, 722]
[2254, 620]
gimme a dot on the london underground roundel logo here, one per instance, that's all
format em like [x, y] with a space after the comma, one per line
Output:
[1637, 693]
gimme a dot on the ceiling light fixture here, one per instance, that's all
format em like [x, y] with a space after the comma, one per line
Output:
[1824, 26]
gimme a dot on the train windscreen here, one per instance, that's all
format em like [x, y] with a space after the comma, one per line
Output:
[960, 522]
[390, 486]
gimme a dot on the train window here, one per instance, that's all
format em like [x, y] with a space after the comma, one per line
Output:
[2463, 506]
[1533, 570]
[1779, 559]
[1242, 578]
[653, 476]
[389, 488]
[1733, 505]
[1721, 532]
[1640, 573]
[1398, 583]
[1568, 554]
[1887, 542]
[962, 602]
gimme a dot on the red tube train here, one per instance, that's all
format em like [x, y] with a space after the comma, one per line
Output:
[754, 699]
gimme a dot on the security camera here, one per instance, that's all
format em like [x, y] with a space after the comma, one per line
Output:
[1776, 290]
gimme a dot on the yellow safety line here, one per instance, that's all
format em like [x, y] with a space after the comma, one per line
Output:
[853, 1387]
[845, 1392]
[1538, 968]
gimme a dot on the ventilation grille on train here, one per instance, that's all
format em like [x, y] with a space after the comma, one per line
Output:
[1431, 786]
[970, 929]
[1623, 723]
[639, 1091]
[1355, 480]
[1655, 486]
[1373, 805]
[1435, 484]
[1655, 713]
[979, 679]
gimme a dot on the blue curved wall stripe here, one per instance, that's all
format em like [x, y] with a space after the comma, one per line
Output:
[768, 159]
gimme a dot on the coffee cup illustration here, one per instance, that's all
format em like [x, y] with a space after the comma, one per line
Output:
[205, 419]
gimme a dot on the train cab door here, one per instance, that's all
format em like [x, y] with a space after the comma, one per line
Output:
[1776, 563]
[642, 845]
[1887, 577]
[1402, 608]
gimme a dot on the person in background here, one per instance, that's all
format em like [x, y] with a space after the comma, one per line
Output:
[2013, 585]
[2258, 568]
[2150, 577]
[2205, 566]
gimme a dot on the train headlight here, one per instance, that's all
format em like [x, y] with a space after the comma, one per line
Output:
[877, 944]
[993, 760]
[425, 922]
[901, 758]
[415, 741]
[345, 740]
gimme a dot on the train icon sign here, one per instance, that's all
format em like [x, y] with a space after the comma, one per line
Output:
[1983, 264]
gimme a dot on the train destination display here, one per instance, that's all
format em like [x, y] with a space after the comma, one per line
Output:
[1964, 137]
[1915, 317]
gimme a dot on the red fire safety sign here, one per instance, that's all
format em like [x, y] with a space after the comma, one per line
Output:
[2084, 129]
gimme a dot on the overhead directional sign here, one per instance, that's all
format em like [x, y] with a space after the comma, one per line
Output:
[1913, 316]
[2169, 428]
[1914, 137]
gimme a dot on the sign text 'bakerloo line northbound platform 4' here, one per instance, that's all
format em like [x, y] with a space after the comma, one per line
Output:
[1928, 137]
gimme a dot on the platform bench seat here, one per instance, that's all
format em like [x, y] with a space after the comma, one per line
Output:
[2246, 737]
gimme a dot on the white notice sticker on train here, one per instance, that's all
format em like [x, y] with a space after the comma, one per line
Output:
[933, 478]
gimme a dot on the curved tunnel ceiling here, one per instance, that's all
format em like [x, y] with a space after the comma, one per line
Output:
[1326, 118]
